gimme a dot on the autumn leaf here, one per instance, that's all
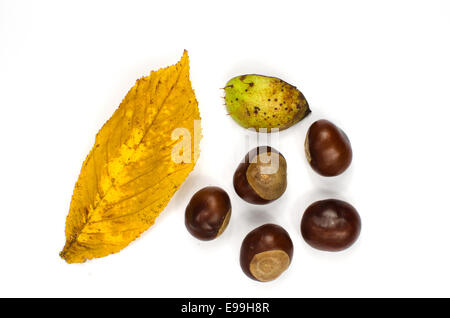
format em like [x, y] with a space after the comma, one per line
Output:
[129, 175]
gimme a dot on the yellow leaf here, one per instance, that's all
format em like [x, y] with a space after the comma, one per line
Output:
[130, 174]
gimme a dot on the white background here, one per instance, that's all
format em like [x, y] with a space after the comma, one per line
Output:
[378, 69]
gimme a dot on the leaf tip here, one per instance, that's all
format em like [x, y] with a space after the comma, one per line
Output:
[185, 57]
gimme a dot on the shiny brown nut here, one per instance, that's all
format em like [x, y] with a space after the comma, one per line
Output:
[330, 225]
[208, 213]
[328, 149]
[266, 252]
[261, 177]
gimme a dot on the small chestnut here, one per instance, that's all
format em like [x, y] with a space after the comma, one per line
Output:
[328, 149]
[261, 177]
[208, 213]
[330, 225]
[266, 252]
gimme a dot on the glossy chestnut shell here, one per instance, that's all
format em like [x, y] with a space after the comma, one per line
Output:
[208, 213]
[330, 225]
[261, 178]
[328, 149]
[266, 252]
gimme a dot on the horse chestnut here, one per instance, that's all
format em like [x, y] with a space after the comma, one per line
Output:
[208, 213]
[330, 225]
[266, 252]
[327, 148]
[261, 178]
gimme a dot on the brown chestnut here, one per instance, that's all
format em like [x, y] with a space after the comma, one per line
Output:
[330, 225]
[266, 252]
[327, 148]
[261, 177]
[208, 213]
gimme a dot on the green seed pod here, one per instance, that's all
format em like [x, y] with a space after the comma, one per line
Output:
[257, 101]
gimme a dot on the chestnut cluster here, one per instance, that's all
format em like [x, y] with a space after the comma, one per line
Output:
[261, 178]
